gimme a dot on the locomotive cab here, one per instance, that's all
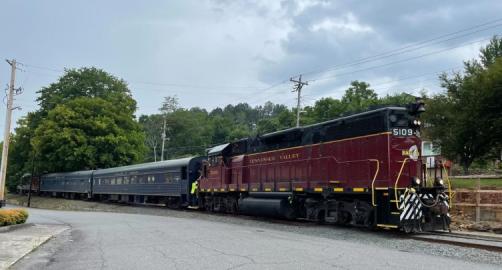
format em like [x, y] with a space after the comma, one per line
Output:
[422, 204]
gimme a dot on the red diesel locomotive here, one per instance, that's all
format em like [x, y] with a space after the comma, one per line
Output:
[363, 170]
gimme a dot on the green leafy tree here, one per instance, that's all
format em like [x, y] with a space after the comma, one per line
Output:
[88, 133]
[86, 82]
[327, 109]
[489, 54]
[465, 121]
[85, 120]
[267, 125]
[359, 97]
[400, 99]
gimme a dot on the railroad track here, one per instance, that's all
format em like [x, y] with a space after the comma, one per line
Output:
[472, 240]
[463, 239]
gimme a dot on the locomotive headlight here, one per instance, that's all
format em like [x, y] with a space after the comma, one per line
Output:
[415, 122]
[439, 182]
[416, 181]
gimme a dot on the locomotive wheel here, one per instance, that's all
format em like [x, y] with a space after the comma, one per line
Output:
[408, 228]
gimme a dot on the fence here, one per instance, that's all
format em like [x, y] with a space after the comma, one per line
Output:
[483, 205]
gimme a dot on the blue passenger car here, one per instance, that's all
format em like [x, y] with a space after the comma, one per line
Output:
[71, 185]
[166, 182]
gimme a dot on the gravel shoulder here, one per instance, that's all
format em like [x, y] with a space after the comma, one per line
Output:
[379, 239]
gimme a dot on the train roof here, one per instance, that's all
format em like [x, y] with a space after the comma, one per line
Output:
[77, 173]
[216, 150]
[343, 118]
[147, 166]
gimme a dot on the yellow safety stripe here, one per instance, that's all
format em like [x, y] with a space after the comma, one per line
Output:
[387, 226]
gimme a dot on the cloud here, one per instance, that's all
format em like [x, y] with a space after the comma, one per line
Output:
[346, 23]
[226, 51]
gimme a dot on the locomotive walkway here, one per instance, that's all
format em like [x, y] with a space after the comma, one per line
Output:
[99, 240]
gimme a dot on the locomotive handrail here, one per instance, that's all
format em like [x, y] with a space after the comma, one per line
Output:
[373, 181]
[449, 188]
[397, 181]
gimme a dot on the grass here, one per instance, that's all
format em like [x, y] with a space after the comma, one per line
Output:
[488, 183]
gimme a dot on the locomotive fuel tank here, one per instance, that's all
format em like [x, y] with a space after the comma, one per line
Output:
[273, 206]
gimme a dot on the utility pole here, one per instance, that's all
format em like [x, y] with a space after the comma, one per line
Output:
[6, 135]
[298, 88]
[163, 139]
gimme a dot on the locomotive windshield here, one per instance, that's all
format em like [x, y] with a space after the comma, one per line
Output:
[402, 123]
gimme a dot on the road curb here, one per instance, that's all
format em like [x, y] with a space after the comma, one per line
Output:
[23, 240]
[9, 228]
[29, 251]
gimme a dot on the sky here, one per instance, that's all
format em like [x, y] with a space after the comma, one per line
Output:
[210, 53]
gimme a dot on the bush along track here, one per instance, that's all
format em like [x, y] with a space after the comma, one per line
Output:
[12, 216]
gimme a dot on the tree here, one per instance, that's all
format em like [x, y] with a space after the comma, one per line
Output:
[267, 125]
[489, 54]
[21, 153]
[327, 109]
[88, 133]
[169, 105]
[85, 120]
[153, 133]
[86, 82]
[465, 121]
[359, 97]
[400, 99]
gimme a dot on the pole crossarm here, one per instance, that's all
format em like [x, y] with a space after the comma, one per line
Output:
[298, 88]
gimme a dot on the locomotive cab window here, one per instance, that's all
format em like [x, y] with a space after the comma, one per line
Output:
[401, 124]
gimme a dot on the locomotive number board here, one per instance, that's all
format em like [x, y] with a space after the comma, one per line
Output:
[402, 132]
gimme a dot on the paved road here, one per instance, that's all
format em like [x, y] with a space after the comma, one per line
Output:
[100, 240]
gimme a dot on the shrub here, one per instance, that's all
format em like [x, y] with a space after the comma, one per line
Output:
[12, 216]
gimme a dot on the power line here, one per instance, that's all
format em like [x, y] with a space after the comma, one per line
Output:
[402, 50]
[399, 61]
[407, 48]
[175, 84]
[417, 76]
